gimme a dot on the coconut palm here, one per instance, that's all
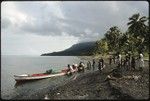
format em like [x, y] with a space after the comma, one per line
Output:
[137, 25]
[138, 29]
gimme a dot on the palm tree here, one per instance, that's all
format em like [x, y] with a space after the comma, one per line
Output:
[138, 29]
[137, 25]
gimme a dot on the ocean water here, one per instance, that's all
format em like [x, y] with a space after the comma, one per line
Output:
[14, 65]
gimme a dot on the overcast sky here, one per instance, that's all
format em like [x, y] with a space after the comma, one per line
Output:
[33, 28]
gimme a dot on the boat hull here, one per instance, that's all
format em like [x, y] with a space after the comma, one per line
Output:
[28, 78]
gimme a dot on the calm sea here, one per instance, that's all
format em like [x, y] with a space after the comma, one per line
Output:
[15, 65]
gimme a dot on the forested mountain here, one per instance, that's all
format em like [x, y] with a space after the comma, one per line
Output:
[79, 49]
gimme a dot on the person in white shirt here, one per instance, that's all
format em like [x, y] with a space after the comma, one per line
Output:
[141, 61]
[119, 59]
[74, 67]
[69, 70]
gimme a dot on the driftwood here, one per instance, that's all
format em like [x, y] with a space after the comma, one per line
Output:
[133, 77]
[116, 74]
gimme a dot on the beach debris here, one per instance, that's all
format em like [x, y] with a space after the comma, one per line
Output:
[46, 97]
[58, 93]
[109, 77]
[133, 77]
[127, 77]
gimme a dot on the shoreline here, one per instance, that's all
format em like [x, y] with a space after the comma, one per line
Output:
[93, 85]
[91, 88]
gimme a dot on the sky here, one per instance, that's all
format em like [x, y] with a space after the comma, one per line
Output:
[36, 27]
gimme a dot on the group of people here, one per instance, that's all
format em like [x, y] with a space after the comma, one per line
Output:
[129, 62]
[75, 68]
[93, 65]
[81, 67]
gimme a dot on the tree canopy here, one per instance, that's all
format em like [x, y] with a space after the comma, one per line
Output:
[135, 39]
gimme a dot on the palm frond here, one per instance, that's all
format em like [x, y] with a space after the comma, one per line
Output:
[131, 22]
[143, 18]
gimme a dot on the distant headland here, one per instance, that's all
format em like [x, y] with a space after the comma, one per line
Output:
[79, 49]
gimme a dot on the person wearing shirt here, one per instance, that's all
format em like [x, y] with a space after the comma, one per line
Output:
[141, 61]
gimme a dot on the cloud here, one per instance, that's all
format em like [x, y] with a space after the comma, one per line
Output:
[5, 23]
[53, 18]
[69, 20]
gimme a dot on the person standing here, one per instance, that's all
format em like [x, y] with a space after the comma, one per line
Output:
[81, 67]
[114, 55]
[69, 70]
[93, 65]
[141, 61]
[110, 59]
[119, 59]
[89, 65]
[133, 62]
[101, 64]
[129, 58]
[74, 67]
[127, 62]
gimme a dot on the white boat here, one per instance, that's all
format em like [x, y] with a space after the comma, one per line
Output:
[26, 77]
[48, 74]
